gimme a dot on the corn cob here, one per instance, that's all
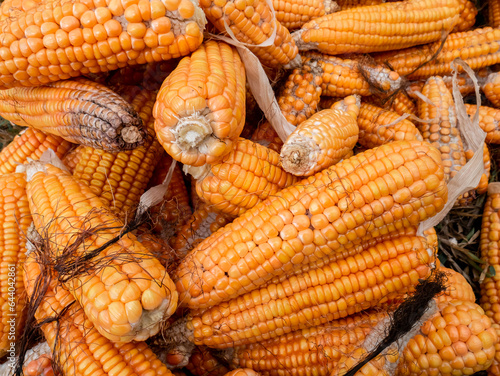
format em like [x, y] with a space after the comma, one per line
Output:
[204, 222]
[249, 174]
[457, 287]
[15, 218]
[459, 340]
[119, 179]
[72, 157]
[378, 126]
[343, 77]
[322, 140]
[371, 28]
[14, 8]
[467, 17]
[203, 363]
[56, 40]
[78, 346]
[89, 114]
[491, 88]
[399, 103]
[494, 370]
[467, 198]
[37, 362]
[441, 130]
[124, 295]
[478, 48]
[292, 14]
[316, 217]
[493, 13]
[30, 143]
[336, 290]
[299, 98]
[348, 4]
[432, 239]
[198, 116]
[252, 23]
[242, 372]
[265, 135]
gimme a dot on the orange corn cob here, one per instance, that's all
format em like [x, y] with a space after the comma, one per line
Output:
[374, 30]
[348, 4]
[441, 130]
[378, 126]
[30, 143]
[119, 179]
[365, 196]
[55, 39]
[15, 218]
[242, 179]
[78, 110]
[252, 23]
[265, 135]
[467, 16]
[292, 14]
[160, 249]
[76, 344]
[203, 222]
[478, 48]
[457, 287]
[432, 239]
[14, 8]
[458, 340]
[489, 246]
[493, 13]
[339, 289]
[72, 157]
[127, 292]
[242, 372]
[494, 370]
[203, 363]
[343, 77]
[322, 140]
[467, 198]
[299, 98]
[491, 88]
[200, 109]
[400, 103]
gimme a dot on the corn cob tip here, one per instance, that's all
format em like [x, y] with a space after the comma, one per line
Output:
[296, 62]
[493, 188]
[300, 155]
[331, 6]
[301, 44]
[192, 131]
[197, 172]
[132, 135]
[31, 169]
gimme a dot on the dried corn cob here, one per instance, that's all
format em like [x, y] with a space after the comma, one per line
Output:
[72, 157]
[242, 372]
[200, 109]
[491, 88]
[432, 239]
[55, 39]
[252, 23]
[79, 348]
[399, 103]
[89, 113]
[494, 370]
[375, 276]
[378, 126]
[467, 17]
[15, 218]
[265, 135]
[348, 4]
[371, 28]
[360, 75]
[457, 287]
[464, 83]
[125, 292]
[458, 340]
[441, 129]
[292, 14]
[299, 98]
[203, 363]
[478, 48]
[373, 193]
[493, 13]
[15, 8]
[30, 143]
[322, 140]
[243, 178]
[204, 222]
[119, 179]
[468, 197]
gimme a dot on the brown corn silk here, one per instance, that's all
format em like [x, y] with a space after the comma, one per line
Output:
[15, 218]
[78, 110]
[243, 178]
[322, 140]
[200, 109]
[371, 278]
[78, 348]
[119, 179]
[30, 143]
[378, 126]
[252, 22]
[292, 14]
[358, 75]
[368, 195]
[419, 21]
[58, 39]
[440, 127]
[124, 290]
[478, 48]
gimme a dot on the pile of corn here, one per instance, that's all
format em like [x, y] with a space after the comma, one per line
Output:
[271, 252]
